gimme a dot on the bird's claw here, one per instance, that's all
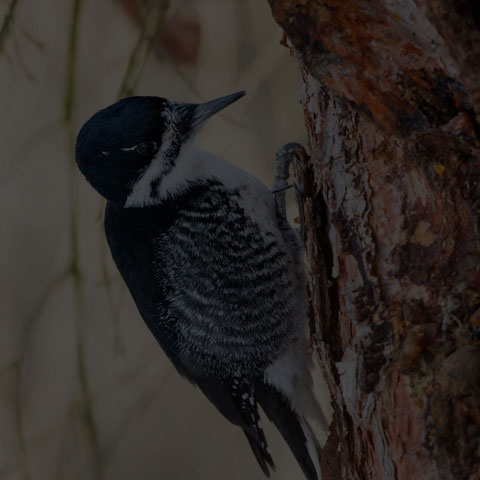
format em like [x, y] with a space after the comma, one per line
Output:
[281, 189]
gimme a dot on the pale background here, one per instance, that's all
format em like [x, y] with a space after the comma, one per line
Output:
[85, 391]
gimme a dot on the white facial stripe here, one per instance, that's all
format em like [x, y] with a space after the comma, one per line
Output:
[190, 165]
[141, 193]
[160, 167]
[188, 168]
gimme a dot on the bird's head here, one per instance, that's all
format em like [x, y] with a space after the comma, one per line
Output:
[128, 149]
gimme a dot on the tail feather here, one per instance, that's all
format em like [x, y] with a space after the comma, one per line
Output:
[261, 454]
[294, 430]
[313, 445]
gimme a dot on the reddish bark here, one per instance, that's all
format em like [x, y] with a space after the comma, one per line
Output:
[392, 197]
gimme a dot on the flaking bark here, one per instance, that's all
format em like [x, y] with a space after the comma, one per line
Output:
[391, 204]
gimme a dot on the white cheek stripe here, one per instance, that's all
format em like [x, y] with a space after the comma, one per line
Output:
[188, 168]
[140, 194]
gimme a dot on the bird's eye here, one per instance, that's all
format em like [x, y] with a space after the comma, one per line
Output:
[147, 148]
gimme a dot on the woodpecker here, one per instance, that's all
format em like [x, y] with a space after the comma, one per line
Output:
[214, 271]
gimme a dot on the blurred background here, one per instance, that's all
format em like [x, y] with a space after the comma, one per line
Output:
[85, 391]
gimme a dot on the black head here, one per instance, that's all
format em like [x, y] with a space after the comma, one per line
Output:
[138, 138]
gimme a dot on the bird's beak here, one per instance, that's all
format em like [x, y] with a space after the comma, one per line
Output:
[201, 112]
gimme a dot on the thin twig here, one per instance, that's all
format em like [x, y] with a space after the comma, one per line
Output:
[72, 61]
[74, 269]
[7, 23]
[153, 14]
[17, 365]
[115, 307]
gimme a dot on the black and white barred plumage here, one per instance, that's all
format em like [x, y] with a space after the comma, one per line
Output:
[213, 274]
[213, 253]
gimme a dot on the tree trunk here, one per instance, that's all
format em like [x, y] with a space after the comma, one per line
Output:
[391, 91]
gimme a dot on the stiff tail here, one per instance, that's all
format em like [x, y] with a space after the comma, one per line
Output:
[261, 453]
[313, 446]
[295, 430]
